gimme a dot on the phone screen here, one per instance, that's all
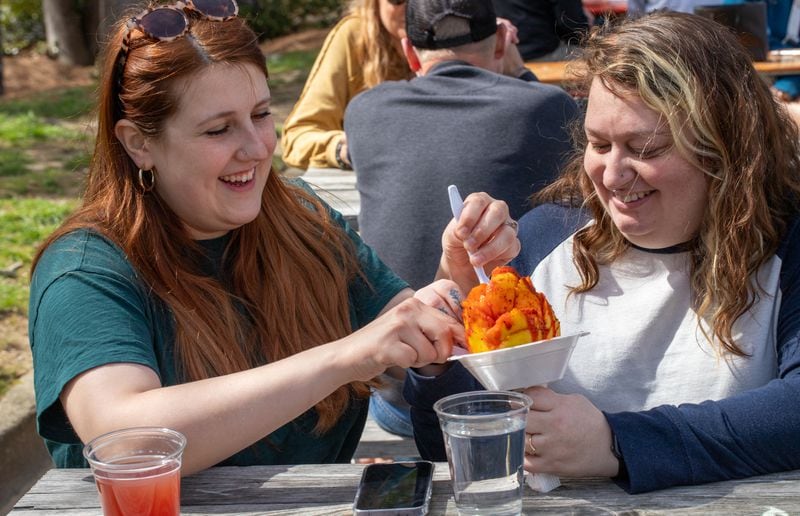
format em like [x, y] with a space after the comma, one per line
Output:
[394, 486]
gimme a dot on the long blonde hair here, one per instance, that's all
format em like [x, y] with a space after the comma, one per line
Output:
[273, 306]
[377, 49]
[725, 122]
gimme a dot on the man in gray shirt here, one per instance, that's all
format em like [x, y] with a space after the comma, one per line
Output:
[460, 121]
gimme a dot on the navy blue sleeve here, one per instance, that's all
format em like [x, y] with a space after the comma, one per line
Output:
[528, 76]
[541, 230]
[753, 433]
[422, 392]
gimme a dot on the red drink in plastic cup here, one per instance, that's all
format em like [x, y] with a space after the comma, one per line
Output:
[137, 471]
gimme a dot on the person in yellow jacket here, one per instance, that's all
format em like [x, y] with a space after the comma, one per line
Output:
[361, 51]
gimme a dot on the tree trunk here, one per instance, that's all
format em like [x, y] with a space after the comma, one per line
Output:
[2, 84]
[65, 33]
[93, 12]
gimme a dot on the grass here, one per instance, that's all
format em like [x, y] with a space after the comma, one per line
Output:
[44, 143]
[43, 156]
[45, 147]
[282, 67]
[69, 103]
[25, 222]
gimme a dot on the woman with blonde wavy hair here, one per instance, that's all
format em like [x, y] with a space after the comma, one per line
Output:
[198, 290]
[673, 237]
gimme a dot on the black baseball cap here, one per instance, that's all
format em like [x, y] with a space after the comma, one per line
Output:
[422, 17]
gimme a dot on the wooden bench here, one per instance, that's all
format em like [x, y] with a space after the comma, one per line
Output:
[556, 72]
[376, 442]
[336, 187]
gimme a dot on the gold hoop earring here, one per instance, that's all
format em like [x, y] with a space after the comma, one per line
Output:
[145, 182]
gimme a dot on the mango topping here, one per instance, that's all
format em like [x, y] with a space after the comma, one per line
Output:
[507, 312]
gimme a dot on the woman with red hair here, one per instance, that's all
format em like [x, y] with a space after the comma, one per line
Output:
[198, 290]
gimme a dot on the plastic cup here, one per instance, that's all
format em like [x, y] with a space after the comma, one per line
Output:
[484, 436]
[137, 471]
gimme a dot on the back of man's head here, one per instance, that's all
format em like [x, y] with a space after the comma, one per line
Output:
[443, 24]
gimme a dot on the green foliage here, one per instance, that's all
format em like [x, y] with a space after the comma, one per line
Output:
[13, 162]
[273, 18]
[22, 24]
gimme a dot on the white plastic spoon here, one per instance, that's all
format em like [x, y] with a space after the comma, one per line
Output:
[456, 204]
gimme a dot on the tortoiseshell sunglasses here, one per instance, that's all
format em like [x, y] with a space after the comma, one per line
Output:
[169, 22]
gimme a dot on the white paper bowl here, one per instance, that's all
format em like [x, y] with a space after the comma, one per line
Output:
[522, 366]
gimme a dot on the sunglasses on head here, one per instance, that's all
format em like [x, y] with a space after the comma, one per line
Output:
[169, 22]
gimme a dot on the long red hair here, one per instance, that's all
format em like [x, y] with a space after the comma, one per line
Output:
[289, 268]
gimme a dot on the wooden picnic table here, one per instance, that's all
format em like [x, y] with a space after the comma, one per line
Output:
[330, 489]
[557, 72]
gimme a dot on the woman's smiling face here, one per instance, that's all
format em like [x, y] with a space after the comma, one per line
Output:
[654, 196]
[214, 156]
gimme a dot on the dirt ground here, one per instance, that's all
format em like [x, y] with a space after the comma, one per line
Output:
[29, 73]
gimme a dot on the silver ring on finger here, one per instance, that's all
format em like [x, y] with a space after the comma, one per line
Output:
[513, 224]
[530, 449]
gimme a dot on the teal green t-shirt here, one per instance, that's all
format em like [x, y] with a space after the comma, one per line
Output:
[88, 308]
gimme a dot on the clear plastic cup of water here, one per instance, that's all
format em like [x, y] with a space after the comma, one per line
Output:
[484, 436]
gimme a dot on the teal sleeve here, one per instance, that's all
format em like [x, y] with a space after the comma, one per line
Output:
[86, 310]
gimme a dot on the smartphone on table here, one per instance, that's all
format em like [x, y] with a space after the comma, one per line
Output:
[395, 488]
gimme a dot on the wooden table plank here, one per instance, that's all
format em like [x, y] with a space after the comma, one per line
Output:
[338, 189]
[557, 72]
[330, 489]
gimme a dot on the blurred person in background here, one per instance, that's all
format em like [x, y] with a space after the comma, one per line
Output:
[361, 51]
[548, 30]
